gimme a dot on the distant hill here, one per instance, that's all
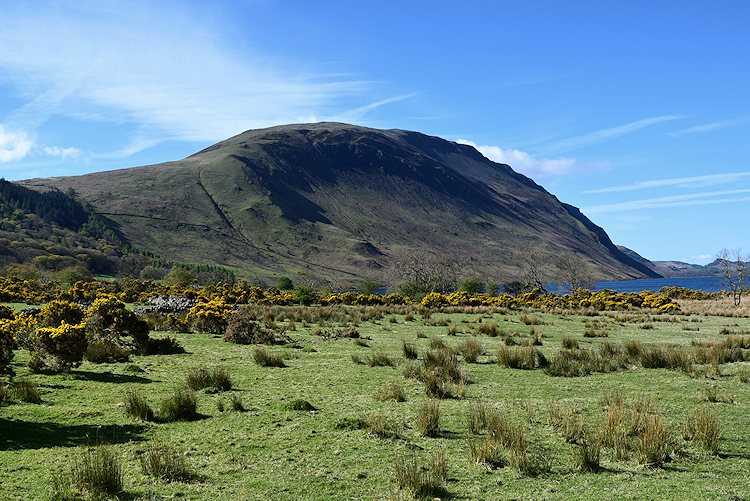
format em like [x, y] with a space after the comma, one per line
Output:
[53, 230]
[336, 201]
[677, 268]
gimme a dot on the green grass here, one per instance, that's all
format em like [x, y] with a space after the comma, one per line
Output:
[274, 451]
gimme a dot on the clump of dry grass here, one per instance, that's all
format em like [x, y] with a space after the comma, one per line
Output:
[476, 417]
[422, 482]
[520, 357]
[471, 349]
[568, 420]
[704, 429]
[428, 418]
[654, 441]
[392, 391]
[409, 350]
[569, 342]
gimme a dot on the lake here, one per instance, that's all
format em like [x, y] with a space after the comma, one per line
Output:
[706, 284]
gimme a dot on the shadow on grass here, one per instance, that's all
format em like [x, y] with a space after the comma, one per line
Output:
[109, 377]
[16, 434]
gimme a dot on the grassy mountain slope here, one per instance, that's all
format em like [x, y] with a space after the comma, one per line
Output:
[339, 201]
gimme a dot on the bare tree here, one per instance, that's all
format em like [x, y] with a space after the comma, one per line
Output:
[421, 272]
[574, 272]
[733, 270]
[532, 276]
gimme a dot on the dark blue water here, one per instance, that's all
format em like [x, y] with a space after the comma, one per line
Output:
[706, 284]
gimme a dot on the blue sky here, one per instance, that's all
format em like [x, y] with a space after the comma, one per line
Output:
[638, 112]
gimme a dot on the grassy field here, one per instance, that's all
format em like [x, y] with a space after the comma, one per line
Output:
[270, 451]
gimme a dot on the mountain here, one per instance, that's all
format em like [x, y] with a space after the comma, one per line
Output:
[336, 201]
[677, 268]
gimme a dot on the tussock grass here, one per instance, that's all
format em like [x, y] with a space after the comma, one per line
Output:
[26, 391]
[471, 349]
[217, 378]
[97, 472]
[488, 452]
[409, 350]
[488, 329]
[265, 358]
[391, 391]
[476, 417]
[568, 420]
[166, 463]
[136, 406]
[654, 441]
[428, 418]
[704, 429]
[422, 482]
[381, 359]
[589, 453]
[181, 406]
[520, 357]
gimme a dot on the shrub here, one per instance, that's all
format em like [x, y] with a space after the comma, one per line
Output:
[100, 351]
[163, 346]
[97, 471]
[653, 444]
[58, 348]
[7, 342]
[109, 319]
[705, 429]
[471, 349]
[58, 311]
[422, 482]
[136, 406]
[26, 391]
[264, 358]
[181, 406]
[409, 350]
[428, 418]
[210, 316]
[166, 463]
[216, 378]
[392, 391]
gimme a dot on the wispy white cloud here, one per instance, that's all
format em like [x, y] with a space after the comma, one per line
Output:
[677, 182]
[523, 162]
[180, 80]
[359, 112]
[13, 145]
[693, 199]
[604, 135]
[710, 127]
[57, 151]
